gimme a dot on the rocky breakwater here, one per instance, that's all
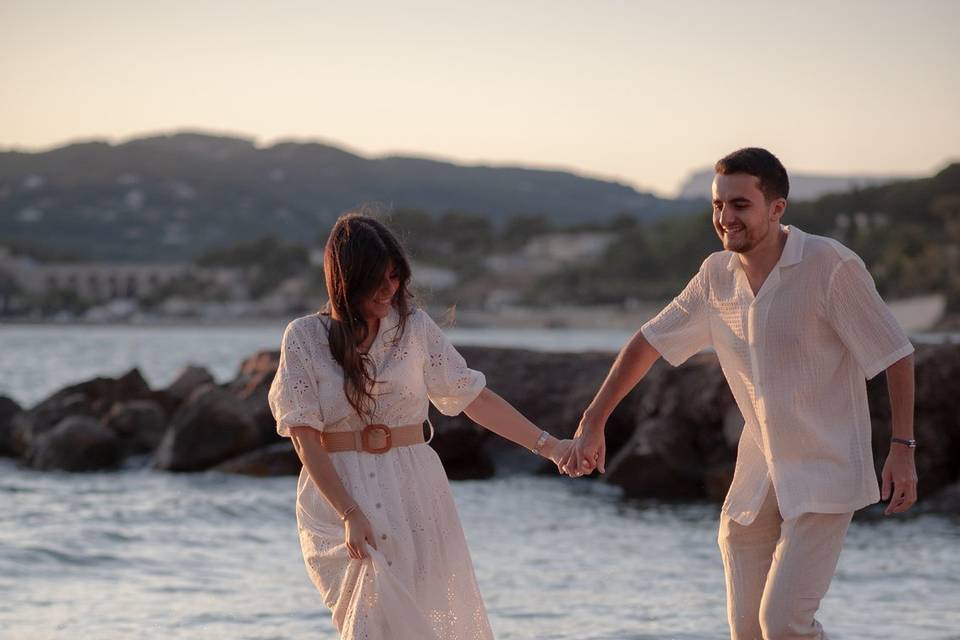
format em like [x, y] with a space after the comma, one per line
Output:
[674, 437]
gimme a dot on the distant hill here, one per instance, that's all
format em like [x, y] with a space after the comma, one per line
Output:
[907, 233]
[803, 186]
[172, 196]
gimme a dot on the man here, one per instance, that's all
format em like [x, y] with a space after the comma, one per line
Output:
[797, 325]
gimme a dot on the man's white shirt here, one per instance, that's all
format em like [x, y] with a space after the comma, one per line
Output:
[796, 357]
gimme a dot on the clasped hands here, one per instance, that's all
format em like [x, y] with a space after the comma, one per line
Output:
[582, 454]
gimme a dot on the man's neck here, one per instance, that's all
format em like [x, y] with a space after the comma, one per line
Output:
[760, 261]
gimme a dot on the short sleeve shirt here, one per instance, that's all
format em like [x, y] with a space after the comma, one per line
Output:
[796, 356]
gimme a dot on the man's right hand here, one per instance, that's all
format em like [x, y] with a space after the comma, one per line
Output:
[590, 451]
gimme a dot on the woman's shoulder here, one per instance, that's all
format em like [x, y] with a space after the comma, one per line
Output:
[313, 326]
[420, 321]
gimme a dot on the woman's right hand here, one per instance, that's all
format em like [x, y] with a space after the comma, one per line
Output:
[357, 530]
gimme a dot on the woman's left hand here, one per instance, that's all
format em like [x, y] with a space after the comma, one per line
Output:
[557, 451]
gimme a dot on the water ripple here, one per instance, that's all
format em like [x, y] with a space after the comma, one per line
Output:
[126, 549]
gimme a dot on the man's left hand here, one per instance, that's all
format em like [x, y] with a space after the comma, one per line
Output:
[899, 479]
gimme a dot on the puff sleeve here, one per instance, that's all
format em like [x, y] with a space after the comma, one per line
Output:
[294, 397]
[451, 385]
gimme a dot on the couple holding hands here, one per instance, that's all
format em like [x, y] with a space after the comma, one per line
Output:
[795, 321]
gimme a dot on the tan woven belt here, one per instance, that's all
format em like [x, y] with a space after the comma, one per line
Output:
[375, 438]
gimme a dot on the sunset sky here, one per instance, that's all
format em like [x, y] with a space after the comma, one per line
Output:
[642, 92]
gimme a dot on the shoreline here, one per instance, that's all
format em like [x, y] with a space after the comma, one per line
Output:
[917, 315]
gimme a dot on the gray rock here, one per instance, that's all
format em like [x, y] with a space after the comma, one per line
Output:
[209, 428]
[683, 446]
[92, 398]
[190, 378]
[187, 381]
[76, 443]
[459, 444]
[551, 389]
[251, 385]
[689, 426]
[732, 426]
[660, 461]
[8, 410]
[936, 422]
[944, 501]
[139, 424]
[278, 459]
[29, 425]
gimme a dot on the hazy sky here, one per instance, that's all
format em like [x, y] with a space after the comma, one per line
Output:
[640, 91]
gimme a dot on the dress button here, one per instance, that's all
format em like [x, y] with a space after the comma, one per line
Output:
[371, 474]
[383, 537]
[389, 563]
[378, 505]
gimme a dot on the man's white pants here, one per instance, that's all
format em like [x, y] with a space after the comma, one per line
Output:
[778, 570]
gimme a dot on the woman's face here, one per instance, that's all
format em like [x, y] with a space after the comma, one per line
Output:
[378, 304]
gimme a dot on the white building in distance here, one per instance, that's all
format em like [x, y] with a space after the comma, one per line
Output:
[100, 281]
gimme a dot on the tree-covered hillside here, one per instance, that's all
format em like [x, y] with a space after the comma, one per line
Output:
[173, 197]
[908, 233]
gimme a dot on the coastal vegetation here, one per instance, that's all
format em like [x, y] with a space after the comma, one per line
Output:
[908, 233]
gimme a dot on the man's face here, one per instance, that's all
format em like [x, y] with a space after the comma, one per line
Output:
[741, 215]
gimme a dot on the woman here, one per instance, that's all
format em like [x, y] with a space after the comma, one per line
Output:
[379, 531]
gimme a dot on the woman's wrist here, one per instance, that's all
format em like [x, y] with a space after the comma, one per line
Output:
[549, 447]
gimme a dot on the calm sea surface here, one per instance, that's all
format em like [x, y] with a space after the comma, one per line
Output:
[141, 554]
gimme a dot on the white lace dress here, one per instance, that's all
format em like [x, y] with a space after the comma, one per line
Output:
[419, 584]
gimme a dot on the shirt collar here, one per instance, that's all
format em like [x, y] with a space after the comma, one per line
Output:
[792, 250]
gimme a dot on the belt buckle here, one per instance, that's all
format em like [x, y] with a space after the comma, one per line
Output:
[368, 433]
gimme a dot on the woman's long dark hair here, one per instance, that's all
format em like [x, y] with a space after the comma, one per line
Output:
[355, 261]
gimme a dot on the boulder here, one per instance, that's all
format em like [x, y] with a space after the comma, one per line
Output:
[209, 428]
[138, 424]
[76, 443]
[459, 444]
[673, 437]
[29, 425]
[8, 410]
[684, 442]
[102, 392]
[550, 389]
[689, 426]
[660, 461]
[187, 381]
[946, 500]
[251, 385]
[936, 421]
[277, 459]
[92, 398]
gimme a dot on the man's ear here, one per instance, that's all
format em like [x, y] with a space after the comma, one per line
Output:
[778, 209]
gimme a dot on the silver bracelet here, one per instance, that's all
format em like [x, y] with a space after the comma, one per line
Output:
[542, 440]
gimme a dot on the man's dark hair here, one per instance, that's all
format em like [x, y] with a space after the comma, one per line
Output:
[758, 162]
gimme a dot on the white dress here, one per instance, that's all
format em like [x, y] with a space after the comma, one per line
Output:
[419, 583]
